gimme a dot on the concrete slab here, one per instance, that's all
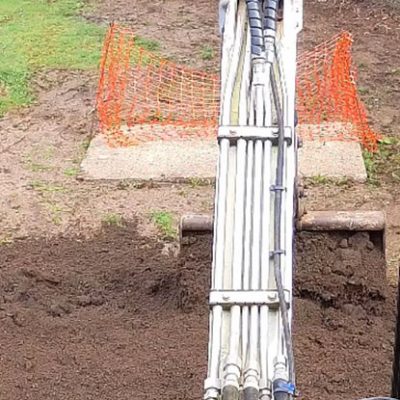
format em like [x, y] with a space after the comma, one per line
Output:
[335, 160]
[178, 160]
[165, 161]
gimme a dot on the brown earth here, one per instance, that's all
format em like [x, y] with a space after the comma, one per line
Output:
[115, 317]
[90, 313]
[98, 319]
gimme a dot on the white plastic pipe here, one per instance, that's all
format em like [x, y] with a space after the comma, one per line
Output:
[235, 202]
[243, 120]
[246, 342]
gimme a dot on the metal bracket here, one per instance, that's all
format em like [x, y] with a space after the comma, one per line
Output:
[234, 133]
[229, 298]
[275, 188]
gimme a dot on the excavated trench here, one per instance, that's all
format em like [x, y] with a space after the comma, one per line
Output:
[114, 317]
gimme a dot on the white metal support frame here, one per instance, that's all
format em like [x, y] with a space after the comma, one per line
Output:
[247, 349]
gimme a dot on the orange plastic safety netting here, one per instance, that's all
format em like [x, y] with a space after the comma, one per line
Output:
[327, 101]
[143, 97]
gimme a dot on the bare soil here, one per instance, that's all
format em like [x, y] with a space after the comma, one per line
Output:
[93, 313]
[115, 317]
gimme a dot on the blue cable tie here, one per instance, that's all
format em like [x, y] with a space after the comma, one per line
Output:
[286, 387]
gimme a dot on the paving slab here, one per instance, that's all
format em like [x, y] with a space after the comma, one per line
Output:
[335, 160]
[183, 160]
[159, 161]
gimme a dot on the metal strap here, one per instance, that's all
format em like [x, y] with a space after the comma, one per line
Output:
[234, 133]
[229, 298]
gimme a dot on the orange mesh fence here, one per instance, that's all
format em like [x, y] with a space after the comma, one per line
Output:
[138, 88]
[143, 97]
[327, 103]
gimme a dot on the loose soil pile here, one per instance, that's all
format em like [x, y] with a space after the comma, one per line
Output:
[344, 317]
[117, 317]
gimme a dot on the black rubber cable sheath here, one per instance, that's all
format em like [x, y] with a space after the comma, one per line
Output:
[256, 27]
[278, 229]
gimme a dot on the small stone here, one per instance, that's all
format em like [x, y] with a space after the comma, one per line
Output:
[170, 250]
[58, 309]
[17, 318]
[28, 365]
[344, 244]
[86, 301]
[370, 246]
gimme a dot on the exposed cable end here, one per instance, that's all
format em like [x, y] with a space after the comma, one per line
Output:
[230, 393]
[212, 388]
[282, 389]
[250, 393]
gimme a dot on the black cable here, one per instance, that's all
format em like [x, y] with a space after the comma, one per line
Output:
[256, 27]
[270, 10]
[278, 229]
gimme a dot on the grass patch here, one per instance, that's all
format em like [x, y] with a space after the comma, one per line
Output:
[322, 180]
[33, 161]
[71, 172]
[46, 187]
[148, 44]
[37, 167]
[197, 182]
[384, 164]
[363, 90]
[55, 211]
[207, 53]
[113, 219]
[164, 222]
[85, 144]
[81, 151]
[42, 34]
[319, 180]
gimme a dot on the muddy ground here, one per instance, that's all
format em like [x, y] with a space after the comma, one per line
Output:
[114, 317]
[85, 310]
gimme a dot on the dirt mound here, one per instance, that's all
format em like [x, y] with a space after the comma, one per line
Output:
[114, 317]
[343, 320]
[97, 319]
[336, 269]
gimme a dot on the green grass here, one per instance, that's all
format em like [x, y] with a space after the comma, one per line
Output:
[47, 187]
[113, 219]
[196, 182]
[363, 90]
[147, 44]
[71, 172]
[164, 223]
[85, 144]
[42, 34]
[55, 211]
[207, 53]
[322, 180]
[37, 167]
[384, 164]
